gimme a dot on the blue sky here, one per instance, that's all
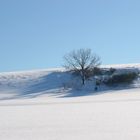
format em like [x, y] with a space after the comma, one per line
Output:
[35, 34]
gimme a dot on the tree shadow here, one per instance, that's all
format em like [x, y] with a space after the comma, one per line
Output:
[86, 91]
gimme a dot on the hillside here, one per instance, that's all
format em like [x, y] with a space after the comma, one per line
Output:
[52, 82]
[29, 109]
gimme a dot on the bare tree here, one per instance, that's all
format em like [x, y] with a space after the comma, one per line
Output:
[81, 61]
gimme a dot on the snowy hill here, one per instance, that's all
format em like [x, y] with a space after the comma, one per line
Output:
[20, 84]
[51, 82]
[34, 113]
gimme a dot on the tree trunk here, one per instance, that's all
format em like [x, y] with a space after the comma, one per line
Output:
[83, 76]
[83, 81]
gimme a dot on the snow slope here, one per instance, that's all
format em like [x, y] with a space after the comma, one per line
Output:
[32, 83]
[52, 82]
[29, 109]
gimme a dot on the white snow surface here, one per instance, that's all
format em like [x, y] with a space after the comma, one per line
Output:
[106, 116]
[36, 105]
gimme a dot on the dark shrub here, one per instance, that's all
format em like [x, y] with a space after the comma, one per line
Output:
[106, 71]
[122, 78]
[89, 73]
[97, 71]
[112, 70]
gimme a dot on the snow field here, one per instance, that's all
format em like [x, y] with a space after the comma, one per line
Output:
[113, 115]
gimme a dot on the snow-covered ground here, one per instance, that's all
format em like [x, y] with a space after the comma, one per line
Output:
[35, 106]
[106, 116]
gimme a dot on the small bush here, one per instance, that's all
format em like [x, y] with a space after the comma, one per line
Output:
[97, 71]
[112, 70]
[125, 78]
[107, 71]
